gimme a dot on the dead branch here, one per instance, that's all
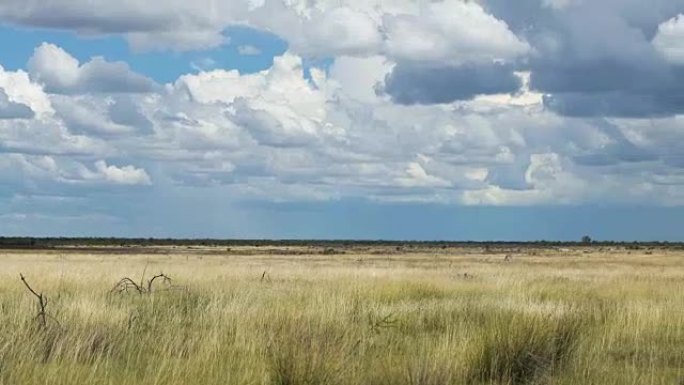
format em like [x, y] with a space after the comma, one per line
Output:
[42, 302]
[125, 284]
[165, 278]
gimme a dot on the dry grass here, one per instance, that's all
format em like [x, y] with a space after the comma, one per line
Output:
[373, 316]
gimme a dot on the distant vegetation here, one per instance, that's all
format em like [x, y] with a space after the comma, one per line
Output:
[31, 242]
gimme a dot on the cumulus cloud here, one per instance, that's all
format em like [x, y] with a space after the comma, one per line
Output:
[42, 131]
[451, 32]
[12, 110]
[60, 72]
[277, 107]
[287, 133]
[597, 58]
[442, 59]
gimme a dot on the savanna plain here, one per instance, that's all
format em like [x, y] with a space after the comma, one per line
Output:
[367, 315]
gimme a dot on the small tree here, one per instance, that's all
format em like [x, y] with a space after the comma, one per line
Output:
[586, 239]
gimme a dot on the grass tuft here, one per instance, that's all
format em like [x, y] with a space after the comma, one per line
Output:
[517, 348]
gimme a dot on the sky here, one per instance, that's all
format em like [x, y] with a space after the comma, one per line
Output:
[343, 119]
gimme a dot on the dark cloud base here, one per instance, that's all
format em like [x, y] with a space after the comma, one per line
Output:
[415, 84]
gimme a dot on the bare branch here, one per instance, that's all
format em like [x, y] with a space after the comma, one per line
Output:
[127, 283]
[151, 281]
[23, 279]
[42, 302]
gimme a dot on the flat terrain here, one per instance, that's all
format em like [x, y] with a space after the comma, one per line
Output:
[367, 315]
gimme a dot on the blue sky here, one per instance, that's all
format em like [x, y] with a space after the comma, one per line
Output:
[346, 119]
[18, 44]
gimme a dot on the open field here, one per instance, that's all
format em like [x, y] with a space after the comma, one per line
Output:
[390, 315]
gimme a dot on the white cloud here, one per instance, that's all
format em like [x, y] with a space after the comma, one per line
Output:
[358, 77]
[62, 73]
[53, 169]
[126, 175]
[450, 29]
[13, 110]
[20, 89]
[669, 40]
[218, 85]
[338, 31]
[278, 107]
[451, 32]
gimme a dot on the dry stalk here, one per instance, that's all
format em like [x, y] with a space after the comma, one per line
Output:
[265, 277]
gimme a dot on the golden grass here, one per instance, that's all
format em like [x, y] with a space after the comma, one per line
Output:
[371, 316]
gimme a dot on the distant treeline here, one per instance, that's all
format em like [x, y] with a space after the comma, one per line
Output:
[41, 243]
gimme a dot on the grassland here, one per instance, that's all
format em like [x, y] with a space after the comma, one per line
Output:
[371, 315]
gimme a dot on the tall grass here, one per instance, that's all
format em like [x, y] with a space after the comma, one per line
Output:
[412, 320]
